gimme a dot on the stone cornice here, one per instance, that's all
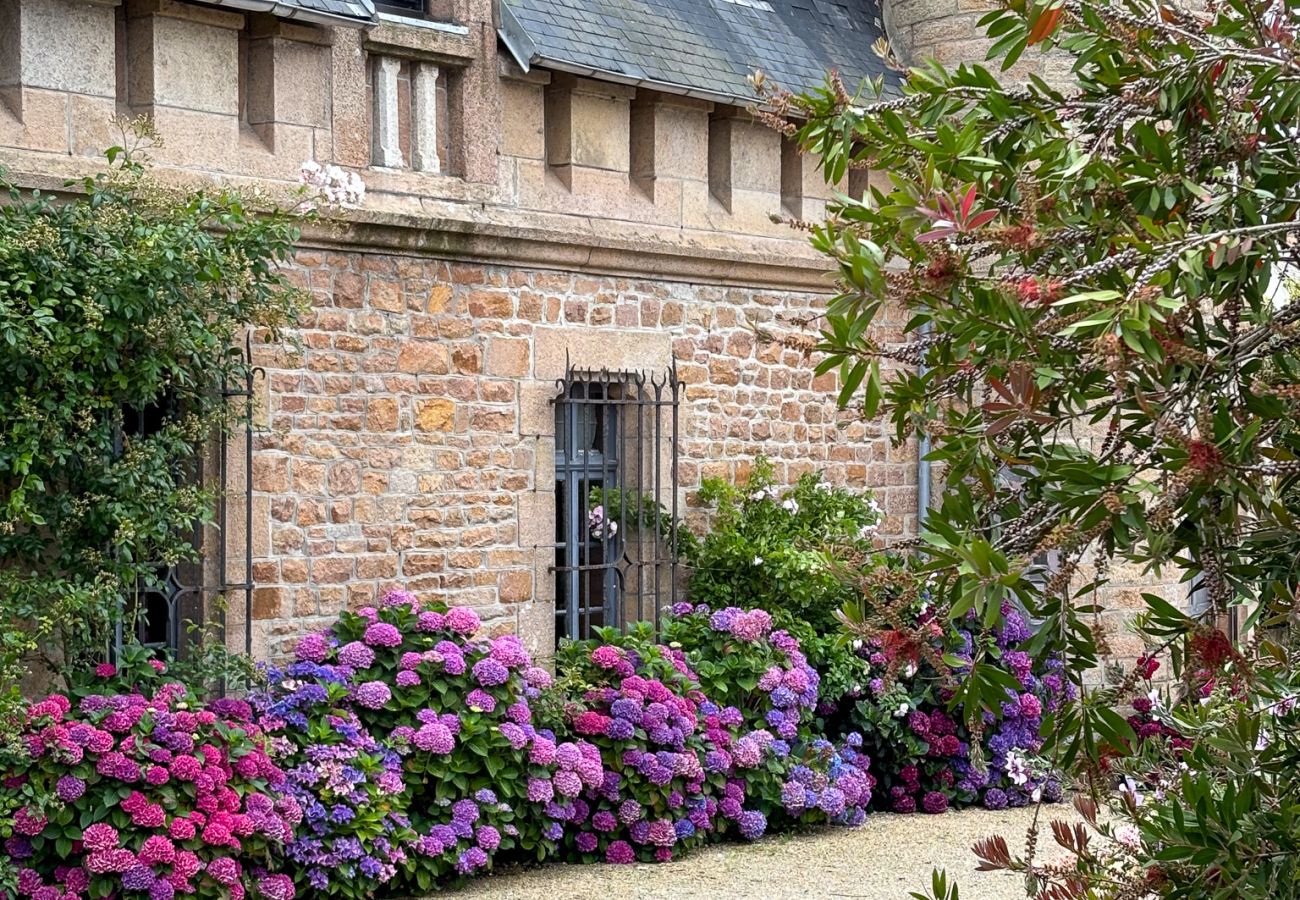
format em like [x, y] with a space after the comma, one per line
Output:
[500, 235]
[769, 264]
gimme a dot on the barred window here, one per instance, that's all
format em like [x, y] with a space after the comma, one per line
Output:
[616, 446]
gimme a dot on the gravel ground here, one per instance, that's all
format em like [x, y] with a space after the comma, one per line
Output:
[885, 859]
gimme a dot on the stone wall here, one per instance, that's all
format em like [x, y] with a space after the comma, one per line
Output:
[410, 439]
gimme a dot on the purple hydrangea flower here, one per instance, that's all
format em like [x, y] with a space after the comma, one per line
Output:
[373, 694]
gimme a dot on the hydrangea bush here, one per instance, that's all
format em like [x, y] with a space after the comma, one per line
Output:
[666, 752]
[355, 834]
[455, 708]
[153, 795]
[1013, 773]
[741, 662]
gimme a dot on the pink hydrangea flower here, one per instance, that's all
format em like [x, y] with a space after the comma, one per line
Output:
[463, 620]
[99, 836]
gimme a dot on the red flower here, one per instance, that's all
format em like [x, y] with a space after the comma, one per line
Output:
[591, 722]
[1212, 648]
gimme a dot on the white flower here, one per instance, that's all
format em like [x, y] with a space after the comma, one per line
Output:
[791, 505]
[857, 643]
[866, 531]
[857, 689]
[903, 709]
[1128, 837]
[1018, 768]
[600, 527]
[758, 560]
[334, 185]
[910, 670]
[824, 487]
[1262, 742]
[759, 494]
[1037, 794]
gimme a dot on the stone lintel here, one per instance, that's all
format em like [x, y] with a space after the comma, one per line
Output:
[443, 48]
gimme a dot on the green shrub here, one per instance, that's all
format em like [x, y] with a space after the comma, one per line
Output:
[124, 305]
[780, 549]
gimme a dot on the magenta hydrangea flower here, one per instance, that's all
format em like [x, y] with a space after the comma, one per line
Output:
[509, 651]
[934, 803]
[312, 648]
[568, 784]
[751, 626]
[620, 853]
[481, 700]
[606, 656]
[463, 620]
[540, 790]
[373, 694]
[434, 738]
[186, 767]
[487, 837]
[356, 655]
[407, 678]
[538, 678]
[430, 621]
[157, 849]
[30, 822]
[99, 836]
[276, 887]
[399, 597]
[381, 634]
[224, 870]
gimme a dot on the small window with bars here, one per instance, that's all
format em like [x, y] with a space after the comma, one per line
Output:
[616, 445]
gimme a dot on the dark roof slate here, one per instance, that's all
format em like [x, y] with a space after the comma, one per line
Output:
[706, 47]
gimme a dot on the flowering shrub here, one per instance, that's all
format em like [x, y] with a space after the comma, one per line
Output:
[924, 753]
[1014, 775]
[455, 708]
[355, 834]
[156, 795]
[664, 784]
[741, 662]
[772, 548]
[758, 741]
[127, 295]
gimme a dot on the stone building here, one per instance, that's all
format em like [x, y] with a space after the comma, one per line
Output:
[560, 193]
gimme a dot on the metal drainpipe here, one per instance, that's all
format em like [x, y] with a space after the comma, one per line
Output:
[922, 451]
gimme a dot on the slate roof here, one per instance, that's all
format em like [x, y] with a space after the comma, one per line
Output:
[701, 47]
[352, 9]
[351, 13]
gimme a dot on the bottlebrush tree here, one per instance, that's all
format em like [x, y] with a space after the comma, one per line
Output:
[1103, 327]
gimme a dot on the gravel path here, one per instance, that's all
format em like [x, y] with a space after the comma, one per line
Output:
[883, 860]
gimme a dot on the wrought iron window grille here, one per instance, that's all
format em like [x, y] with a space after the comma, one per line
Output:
[159, 613]
[617, 443]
